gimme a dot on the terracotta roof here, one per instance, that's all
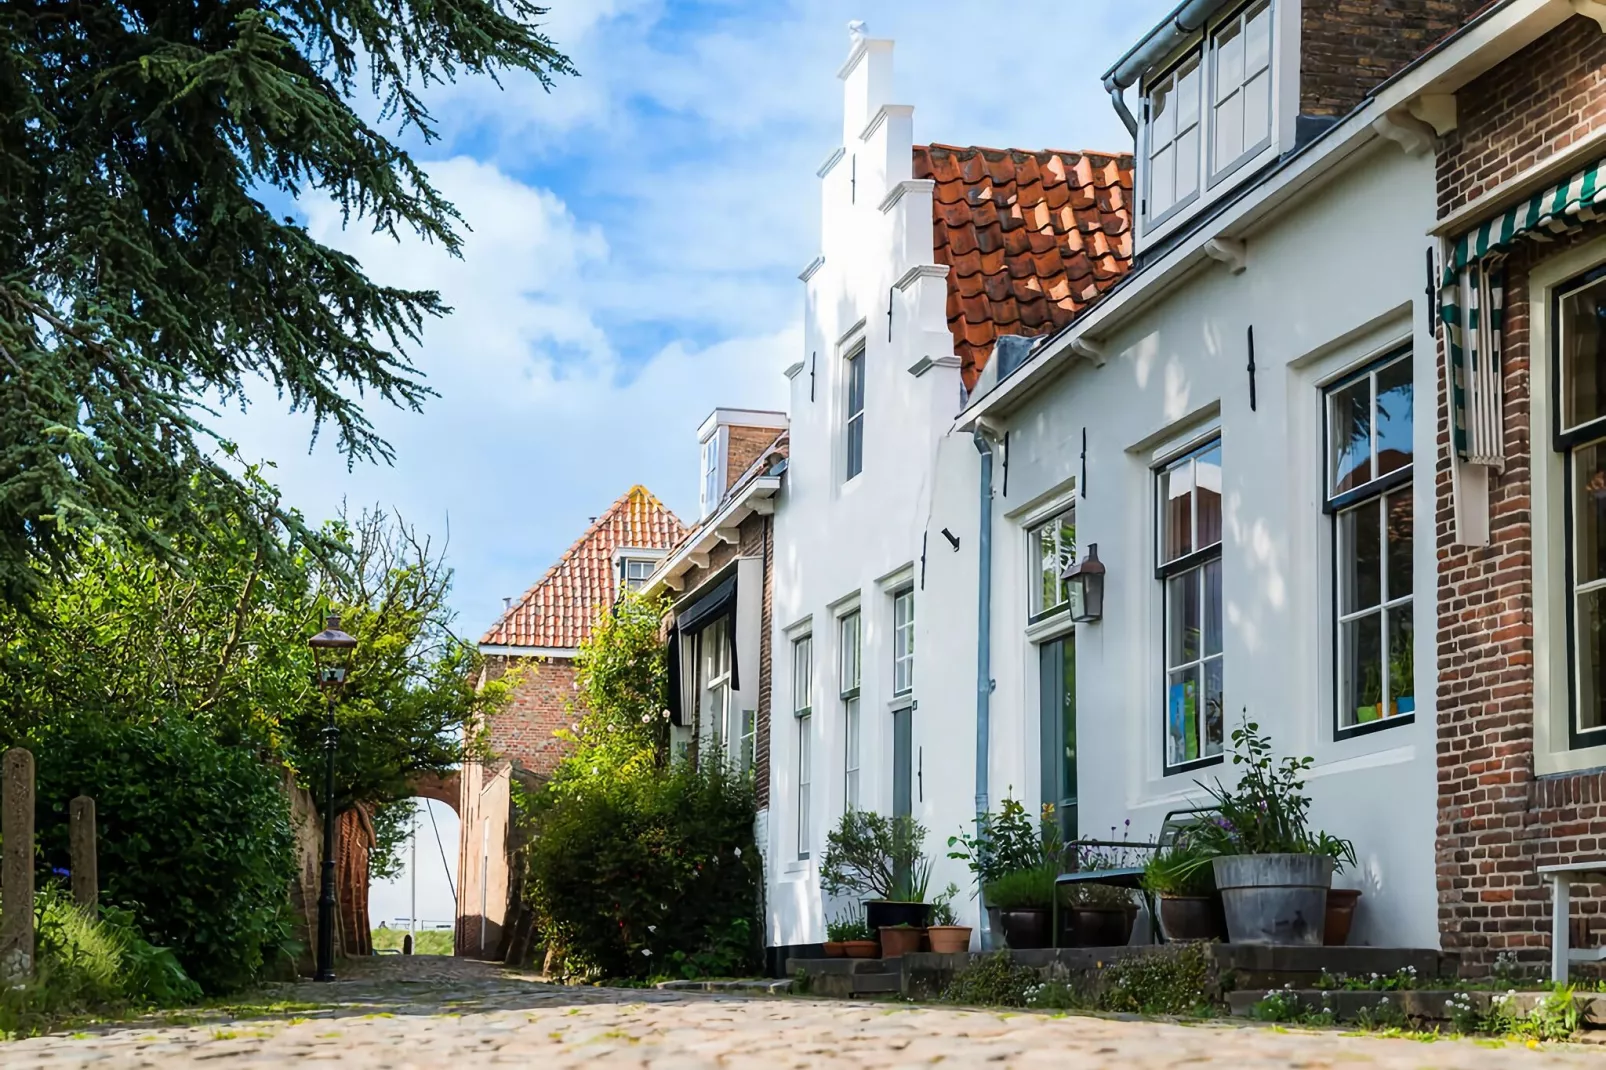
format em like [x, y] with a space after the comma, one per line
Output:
[559, 609]
[1030, 238]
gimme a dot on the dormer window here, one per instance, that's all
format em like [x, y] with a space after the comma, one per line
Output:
[713, 471]
[636, 571]
[1209, 112]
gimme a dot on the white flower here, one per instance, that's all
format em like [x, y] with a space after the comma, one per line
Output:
[661, 906]
[665, 715]
[652, 928]
[646, 717]
[647, 952]
[738, 852]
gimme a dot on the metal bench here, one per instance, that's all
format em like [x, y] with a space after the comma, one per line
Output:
[1561, 879]
[1176, 822]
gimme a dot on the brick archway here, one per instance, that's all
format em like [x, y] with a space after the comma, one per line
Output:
[440, 788]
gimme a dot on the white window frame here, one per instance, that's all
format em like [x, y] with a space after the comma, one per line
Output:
[636, 570]
[1192, 63]
[803, 715]
[850, 680]
[1195, 565]
[1063, 555]
[711, 482]
[853, 364]
[903, 642]
[1379, 488]
[1239, 20]
[714, 691]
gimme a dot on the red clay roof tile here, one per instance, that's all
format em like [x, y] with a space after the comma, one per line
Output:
[1030, 238]
[557, 612]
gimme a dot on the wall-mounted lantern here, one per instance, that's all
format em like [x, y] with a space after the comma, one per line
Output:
[1085, 585]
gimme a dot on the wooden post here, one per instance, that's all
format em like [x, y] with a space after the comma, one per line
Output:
[16, 866]
[85, 862]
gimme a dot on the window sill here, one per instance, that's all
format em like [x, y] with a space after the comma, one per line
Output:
[796, 870]
[1198, 763]
[1051, 627]
[1367, 728]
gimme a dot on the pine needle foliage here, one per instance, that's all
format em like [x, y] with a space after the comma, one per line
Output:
[143, 277]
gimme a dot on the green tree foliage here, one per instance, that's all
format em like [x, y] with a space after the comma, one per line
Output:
[641, 866]
[144, 272]
[194, 836]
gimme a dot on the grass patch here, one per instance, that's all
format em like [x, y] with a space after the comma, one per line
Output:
[433, 942]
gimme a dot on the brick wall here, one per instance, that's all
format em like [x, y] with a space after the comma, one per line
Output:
[1348, 47]
[1497, 821]
[543, 701]
[743, 446]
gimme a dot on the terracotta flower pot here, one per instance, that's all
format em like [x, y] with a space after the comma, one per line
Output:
[900, 940]
[834, 949]
[861, 949]
[1025, 928]
[1188, 917]
[1340, 915]
[949, 939]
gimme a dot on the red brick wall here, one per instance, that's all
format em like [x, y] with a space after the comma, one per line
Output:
[543, 702]
[1348, 47]
[1497, 821]
[743, 446]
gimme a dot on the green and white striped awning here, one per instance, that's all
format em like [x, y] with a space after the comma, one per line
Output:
[1560, 208]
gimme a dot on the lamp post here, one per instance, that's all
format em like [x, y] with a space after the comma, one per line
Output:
[331, 654]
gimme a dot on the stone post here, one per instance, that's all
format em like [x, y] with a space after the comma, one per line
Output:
[16, 866]
[85, 863]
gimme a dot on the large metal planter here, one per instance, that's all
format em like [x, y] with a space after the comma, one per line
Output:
[1274, 899]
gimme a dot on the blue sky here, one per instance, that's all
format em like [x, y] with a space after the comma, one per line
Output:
[635, 240]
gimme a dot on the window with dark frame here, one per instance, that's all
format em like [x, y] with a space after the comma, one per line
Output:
[1188, 566]
[1368, 426]
[803, 715]
[853, 425]
[1052, 546]
[1578, 314]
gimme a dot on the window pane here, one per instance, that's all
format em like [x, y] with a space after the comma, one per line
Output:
[1349, 435]
[1162, 116]
[855, 446]
[1360, 582]
[1215, 719]
[1212, 608]
[1229, 60]
[1399, 537]
[1187, 110]
[850, 784]
[802, 673]
[1176, 510]
[1589, 513]
[1162, 185]
[1182, 716]
[1229, 140]
[1182, 618]
[1257, 110]
[856, 383]
[1187, 161]
[1257, 39]
[849, 656]
[1394, 402]
[1207, 469]
[1045, 583]
[1583, 353]
[1361, 664]
[1402, 662]
[1591, 660]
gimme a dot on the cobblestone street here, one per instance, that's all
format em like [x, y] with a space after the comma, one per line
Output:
[452, 1013]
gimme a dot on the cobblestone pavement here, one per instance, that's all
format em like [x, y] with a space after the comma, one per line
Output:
[425, 1012]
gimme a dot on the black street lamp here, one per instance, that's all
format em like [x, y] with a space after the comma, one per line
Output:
[331, 653]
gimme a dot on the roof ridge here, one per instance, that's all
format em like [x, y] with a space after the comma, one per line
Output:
[1029, 152]
[597, 523]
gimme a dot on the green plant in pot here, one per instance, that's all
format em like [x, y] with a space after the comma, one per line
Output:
[844, 930]
[1182, 878]
[945, 934]
[879, 858]
[1015, 859]
[1271, 869]
[1101, 915]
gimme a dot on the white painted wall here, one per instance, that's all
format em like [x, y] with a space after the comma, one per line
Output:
[838, 543]
[1337, 280]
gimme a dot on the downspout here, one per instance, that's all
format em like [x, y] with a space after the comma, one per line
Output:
[984, 659]
[1182, 23]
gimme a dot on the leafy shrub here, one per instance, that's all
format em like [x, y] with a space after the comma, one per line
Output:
[991, 981]
[870, 854]
[195, 837]
[643, 876]
[1024, 889]
[85, 963]
[1174, 979]
[846, 927]
[1183, 869]
[1008, 841]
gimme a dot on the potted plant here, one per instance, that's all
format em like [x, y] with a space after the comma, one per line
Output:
[1272, 871]
[945, 935]
[1024, 898]
[1340, 915]
[1402, 675]
[879, 857]
[839, 931]
[855, 938]
[1182, 878]
[900, 940]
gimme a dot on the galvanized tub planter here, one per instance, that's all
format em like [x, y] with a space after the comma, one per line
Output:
[1274, 898]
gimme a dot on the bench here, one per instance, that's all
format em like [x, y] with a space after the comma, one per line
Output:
[1175, 823]
[1562, 877]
